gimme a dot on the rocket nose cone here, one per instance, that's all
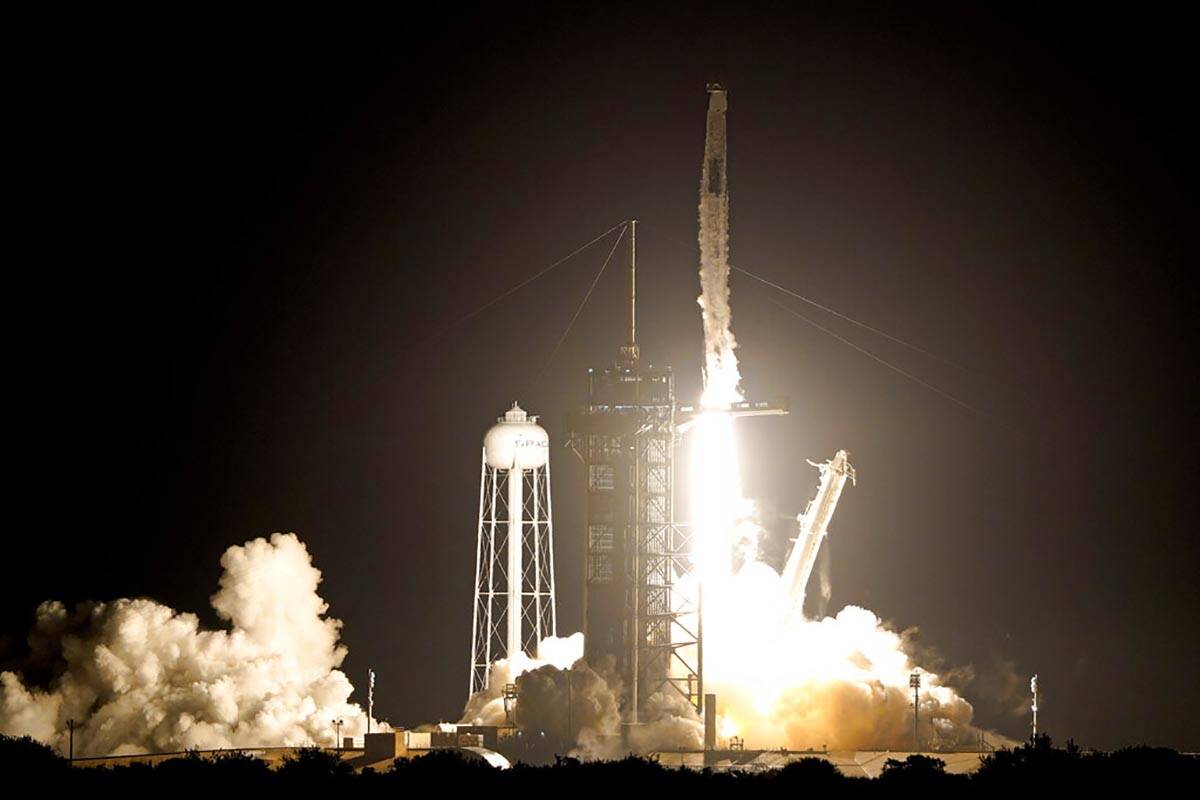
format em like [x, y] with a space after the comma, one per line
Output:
[717, 102]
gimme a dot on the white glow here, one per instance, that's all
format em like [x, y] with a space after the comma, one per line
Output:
[840, 681]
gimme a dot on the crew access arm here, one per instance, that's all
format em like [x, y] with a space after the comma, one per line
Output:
[814, 524]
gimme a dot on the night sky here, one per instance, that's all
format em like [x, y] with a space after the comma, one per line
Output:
[240, 253]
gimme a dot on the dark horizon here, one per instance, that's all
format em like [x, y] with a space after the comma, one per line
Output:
[249, 251]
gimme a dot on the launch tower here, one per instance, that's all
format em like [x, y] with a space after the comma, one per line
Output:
[640, 607]
[635, 550]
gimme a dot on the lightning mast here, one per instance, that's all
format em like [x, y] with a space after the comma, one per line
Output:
[635, 550]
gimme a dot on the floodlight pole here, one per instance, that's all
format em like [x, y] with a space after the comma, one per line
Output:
[914, 680]
[1033, 688]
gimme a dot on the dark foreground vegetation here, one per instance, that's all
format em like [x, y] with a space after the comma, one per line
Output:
[1037, 765]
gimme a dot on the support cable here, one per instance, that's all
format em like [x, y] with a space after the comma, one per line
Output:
[849, 319]
[522, 284]
[586, 297]
[827, 309]
[884, 362]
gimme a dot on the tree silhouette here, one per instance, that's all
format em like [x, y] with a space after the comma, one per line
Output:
[811, 773]
[27, 756]
[1034, 766]
[313, 766]
[918, 772]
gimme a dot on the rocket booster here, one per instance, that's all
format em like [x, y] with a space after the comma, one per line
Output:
[714, 198]
[712, 176]
[720, 363]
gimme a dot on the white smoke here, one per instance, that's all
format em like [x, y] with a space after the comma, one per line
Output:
[839, 681]
[667, 722]
[486, 707]
[560, 694]
[138, 677]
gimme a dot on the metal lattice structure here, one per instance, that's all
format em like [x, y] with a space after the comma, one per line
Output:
[635, 614]
[635, 611]
[671, 655]
[666, 618]
[514, 556]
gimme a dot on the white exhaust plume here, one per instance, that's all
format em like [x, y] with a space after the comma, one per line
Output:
[139, 677]
[841, 681]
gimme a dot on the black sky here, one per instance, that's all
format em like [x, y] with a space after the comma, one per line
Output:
[235, 247]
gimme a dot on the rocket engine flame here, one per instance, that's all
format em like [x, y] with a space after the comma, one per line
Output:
[782, 680]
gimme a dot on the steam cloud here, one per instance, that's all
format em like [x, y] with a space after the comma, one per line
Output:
[838, 681]
[140, 677]
[562, 695]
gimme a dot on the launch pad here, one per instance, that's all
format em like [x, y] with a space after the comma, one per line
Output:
[640, 614]
[645, 571]
[637, 551]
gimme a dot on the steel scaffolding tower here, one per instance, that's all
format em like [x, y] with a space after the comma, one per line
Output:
[635, 611]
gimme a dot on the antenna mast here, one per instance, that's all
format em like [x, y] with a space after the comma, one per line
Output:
[629, 352]
[633, 282]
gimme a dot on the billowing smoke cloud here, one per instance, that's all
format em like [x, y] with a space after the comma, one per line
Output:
[839, 682]
[486, 707]
[139, 677]
[578, 705]
[667, 722]
[560, 694]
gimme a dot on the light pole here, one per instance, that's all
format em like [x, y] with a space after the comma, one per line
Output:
[337, 735]
[370, 697]
[1033, 690]
[71, 742]
[914, 681]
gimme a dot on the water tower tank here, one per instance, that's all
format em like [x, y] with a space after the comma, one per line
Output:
[516, 440]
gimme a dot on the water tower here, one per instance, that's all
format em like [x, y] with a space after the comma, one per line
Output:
[514, 554]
